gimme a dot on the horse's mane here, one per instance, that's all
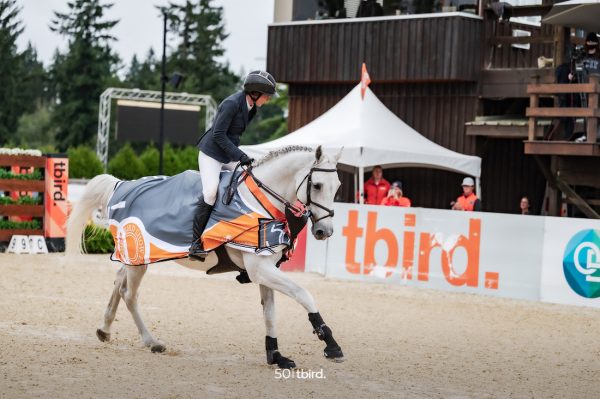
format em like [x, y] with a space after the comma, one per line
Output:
[282, 151]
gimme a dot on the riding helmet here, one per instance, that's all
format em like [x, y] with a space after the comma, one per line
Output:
[260, 81]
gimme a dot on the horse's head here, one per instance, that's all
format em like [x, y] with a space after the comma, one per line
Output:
[317, 188]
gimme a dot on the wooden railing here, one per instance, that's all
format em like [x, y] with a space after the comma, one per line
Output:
[9, 185]
[591, 113]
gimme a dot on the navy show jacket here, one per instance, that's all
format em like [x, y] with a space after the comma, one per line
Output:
[221, 141]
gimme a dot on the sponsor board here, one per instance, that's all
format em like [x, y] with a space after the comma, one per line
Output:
[55, 201]
[571, 262]
[492, 254]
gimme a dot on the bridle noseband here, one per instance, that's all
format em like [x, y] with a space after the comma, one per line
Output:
[309, 201]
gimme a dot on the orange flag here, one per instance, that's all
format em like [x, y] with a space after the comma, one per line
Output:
[365, 79]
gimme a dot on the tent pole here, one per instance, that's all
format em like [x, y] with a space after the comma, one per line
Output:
[361, 184]
[478, 188]
[356, 189]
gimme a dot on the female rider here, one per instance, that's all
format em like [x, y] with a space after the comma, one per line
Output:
[219, 145]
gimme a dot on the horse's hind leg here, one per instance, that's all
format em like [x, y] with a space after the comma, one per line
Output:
[130, 296]
[267, 299]
[103, 333]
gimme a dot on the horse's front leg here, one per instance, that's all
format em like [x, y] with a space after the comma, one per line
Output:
[262, 270]
[267, 299]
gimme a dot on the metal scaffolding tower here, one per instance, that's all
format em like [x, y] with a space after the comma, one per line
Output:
[114, 93]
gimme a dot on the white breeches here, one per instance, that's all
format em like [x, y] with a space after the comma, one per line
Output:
[210, 171]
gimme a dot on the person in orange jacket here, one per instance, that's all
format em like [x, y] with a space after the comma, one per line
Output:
[468, 201]
[376, 188]
[395, 196]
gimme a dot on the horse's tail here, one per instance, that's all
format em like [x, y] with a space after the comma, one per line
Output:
[96, 195]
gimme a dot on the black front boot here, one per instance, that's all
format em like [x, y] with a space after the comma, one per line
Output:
[201, 217]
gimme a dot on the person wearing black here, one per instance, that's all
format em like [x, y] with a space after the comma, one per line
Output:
[219, 145]
[591, 60]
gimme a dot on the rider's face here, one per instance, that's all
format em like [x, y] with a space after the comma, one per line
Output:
[262, 100]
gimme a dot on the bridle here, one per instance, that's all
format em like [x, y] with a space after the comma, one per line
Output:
[293, 207]
[309, 201]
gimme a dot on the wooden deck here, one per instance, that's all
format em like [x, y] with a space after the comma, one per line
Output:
[562, 148]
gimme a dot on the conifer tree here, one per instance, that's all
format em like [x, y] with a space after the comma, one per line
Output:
[82, 73]
[10, 66]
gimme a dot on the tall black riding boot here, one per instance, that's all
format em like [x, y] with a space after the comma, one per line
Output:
[200, 220]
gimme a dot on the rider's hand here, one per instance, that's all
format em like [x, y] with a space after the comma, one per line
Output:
[245, 160]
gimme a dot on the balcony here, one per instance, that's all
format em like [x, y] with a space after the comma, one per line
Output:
[591, 113]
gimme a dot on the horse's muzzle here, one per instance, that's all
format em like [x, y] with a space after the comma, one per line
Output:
[322, 232]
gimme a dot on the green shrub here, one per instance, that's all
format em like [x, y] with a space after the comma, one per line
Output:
[33, 224]
[171, 163]
[84, 163]
[98, 240]
[24, 200]
[188, 157]
[149, 160]
[6, 174]
[126, 165]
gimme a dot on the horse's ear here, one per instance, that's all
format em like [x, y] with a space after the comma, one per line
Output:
[339, 155]
[319, 153]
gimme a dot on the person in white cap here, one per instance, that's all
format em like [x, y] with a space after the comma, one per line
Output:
[468, 201]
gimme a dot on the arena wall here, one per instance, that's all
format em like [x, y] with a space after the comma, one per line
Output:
[525, 257]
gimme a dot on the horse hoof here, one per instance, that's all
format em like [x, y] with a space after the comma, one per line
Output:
[335, 355]
[102, 336]
[285, 363]
[158, 348]
[282, 362]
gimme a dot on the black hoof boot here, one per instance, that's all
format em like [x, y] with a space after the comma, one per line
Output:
[274, 357]
[332, 350]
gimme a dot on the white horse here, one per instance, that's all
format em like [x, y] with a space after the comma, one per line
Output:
[295, 173]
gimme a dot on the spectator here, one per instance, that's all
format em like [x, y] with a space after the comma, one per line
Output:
[468, 201]
[524, 206]
[369, 8]
[591, 59]
[395, 196]
[376, 188]
[564, 74]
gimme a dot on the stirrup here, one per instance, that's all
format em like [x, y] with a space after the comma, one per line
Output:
[197, 252]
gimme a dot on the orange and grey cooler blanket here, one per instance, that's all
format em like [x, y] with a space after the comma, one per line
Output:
[151, 218]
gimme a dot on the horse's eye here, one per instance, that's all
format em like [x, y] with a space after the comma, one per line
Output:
[317, 186]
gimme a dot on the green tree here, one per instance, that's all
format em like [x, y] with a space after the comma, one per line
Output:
[82, 72]
[144, 75]
[35, 130]
[200, 28]
[10, 60]
[33, 79]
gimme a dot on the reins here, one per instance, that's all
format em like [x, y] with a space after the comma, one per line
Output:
[288, 205]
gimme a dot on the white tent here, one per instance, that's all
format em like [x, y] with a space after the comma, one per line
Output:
[372, 135]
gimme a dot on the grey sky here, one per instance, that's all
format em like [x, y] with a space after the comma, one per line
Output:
[140, 28]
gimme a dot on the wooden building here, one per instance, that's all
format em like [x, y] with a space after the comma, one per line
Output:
[458, 78]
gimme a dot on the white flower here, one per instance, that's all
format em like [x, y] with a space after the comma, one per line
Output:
[20, 151]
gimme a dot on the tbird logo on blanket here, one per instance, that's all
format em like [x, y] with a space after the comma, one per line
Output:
[147, 231]
[581, 263]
